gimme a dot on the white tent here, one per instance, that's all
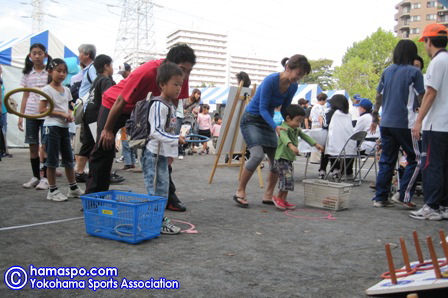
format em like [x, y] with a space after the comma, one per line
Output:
[12, 59]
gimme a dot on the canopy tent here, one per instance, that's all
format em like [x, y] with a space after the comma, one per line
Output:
[307, 91]
[12, 58]
[330, 93]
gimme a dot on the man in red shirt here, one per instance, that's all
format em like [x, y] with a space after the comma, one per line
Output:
[117, 105]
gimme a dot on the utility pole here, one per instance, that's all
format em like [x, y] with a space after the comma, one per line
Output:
[135, 32]
[37, 15]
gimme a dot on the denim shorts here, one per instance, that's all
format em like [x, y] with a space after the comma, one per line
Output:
[32, 129]
[149, 168]
[257, 132]
[285, 172]
[57, 141]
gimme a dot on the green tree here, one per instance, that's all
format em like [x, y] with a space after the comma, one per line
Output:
[358, 76]
[376, 48]
[321, 74]
[206, 84]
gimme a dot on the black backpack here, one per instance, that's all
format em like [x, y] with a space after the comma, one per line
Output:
[137, 126]
[74, 88]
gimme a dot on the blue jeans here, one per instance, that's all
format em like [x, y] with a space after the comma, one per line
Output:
[392, 139]
[57, 141]
[128, 153]
[152, 172]
[434, 168]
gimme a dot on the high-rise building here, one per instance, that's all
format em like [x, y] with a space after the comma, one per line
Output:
[215, 66]
[413, 16]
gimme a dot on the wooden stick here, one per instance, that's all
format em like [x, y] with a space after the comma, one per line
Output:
[435, 262]
[444, 244]
[404, 251]
[390, 262]
[417, 247]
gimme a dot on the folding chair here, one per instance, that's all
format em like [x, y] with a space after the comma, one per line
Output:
[373, 153]
[357, 137]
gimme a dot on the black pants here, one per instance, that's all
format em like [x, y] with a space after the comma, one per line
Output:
[172, 197]
[101, 161]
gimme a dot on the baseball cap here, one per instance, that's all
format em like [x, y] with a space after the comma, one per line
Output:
[357, 97]
[123, 68]
[366, 104]
[433, 30]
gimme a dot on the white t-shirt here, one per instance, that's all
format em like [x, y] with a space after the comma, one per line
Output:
[437, 78]
[363, 124]
[61, 101]
[316, 111]
[353, 112]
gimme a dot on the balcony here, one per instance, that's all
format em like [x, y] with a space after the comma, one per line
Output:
[441, 8]
[443, 20]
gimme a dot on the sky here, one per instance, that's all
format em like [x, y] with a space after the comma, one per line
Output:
[271, 29]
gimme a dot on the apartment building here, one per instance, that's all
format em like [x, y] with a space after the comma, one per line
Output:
[215, 66]
[413, 16]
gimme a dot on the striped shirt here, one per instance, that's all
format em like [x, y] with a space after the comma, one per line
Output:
[36, 80]
[162, 118]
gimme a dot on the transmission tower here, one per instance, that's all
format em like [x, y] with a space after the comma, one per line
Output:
[135, 33]
[37, 15]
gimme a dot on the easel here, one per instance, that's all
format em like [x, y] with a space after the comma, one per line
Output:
[234, 132]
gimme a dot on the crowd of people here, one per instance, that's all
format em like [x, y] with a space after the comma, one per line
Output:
[406, 105]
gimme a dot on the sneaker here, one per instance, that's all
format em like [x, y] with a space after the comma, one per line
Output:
[137, 170]
[181, 157]
[168, 228]
[127, 168]
[56, 196]
[43, 184]
[426, 212]
[396, 199]
[289, 206]
[76, 193]
[32, 183]
[176, 206]
[443, 212]
[120, 159]
[335, 177]
[114, 178]
[279, 204]
[321, 175]
[81, 178]
[383, 203]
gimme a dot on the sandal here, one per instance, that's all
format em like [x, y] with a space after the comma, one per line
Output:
[268, 202]
[238, 199]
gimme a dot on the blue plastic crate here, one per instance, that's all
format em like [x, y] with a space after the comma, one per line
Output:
[123, 216]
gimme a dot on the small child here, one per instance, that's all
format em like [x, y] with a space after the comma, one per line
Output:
[215, 131]
[57, 136]
[286, 154]
[205, 125]
[162, 147]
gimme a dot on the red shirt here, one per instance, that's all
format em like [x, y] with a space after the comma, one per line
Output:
[137, 86]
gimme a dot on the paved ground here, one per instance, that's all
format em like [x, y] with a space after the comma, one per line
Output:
[255, 252]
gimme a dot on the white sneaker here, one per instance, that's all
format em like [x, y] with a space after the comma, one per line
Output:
[32, 183]
[443, 212]
[168, 228]
[76, 193]
[426, 212]
[43, 184]
[181, 157]
[56, 196]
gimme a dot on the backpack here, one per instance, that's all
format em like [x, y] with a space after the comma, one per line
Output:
[74, 88]
[137, 126]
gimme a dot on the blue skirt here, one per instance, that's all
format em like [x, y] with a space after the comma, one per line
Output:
[257, 132]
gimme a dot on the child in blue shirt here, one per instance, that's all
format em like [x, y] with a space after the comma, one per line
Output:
[163, 144]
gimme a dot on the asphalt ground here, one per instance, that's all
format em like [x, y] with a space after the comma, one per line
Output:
[236, 252]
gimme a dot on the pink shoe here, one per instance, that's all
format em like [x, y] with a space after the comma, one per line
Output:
[279, 204]
[290, 206]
